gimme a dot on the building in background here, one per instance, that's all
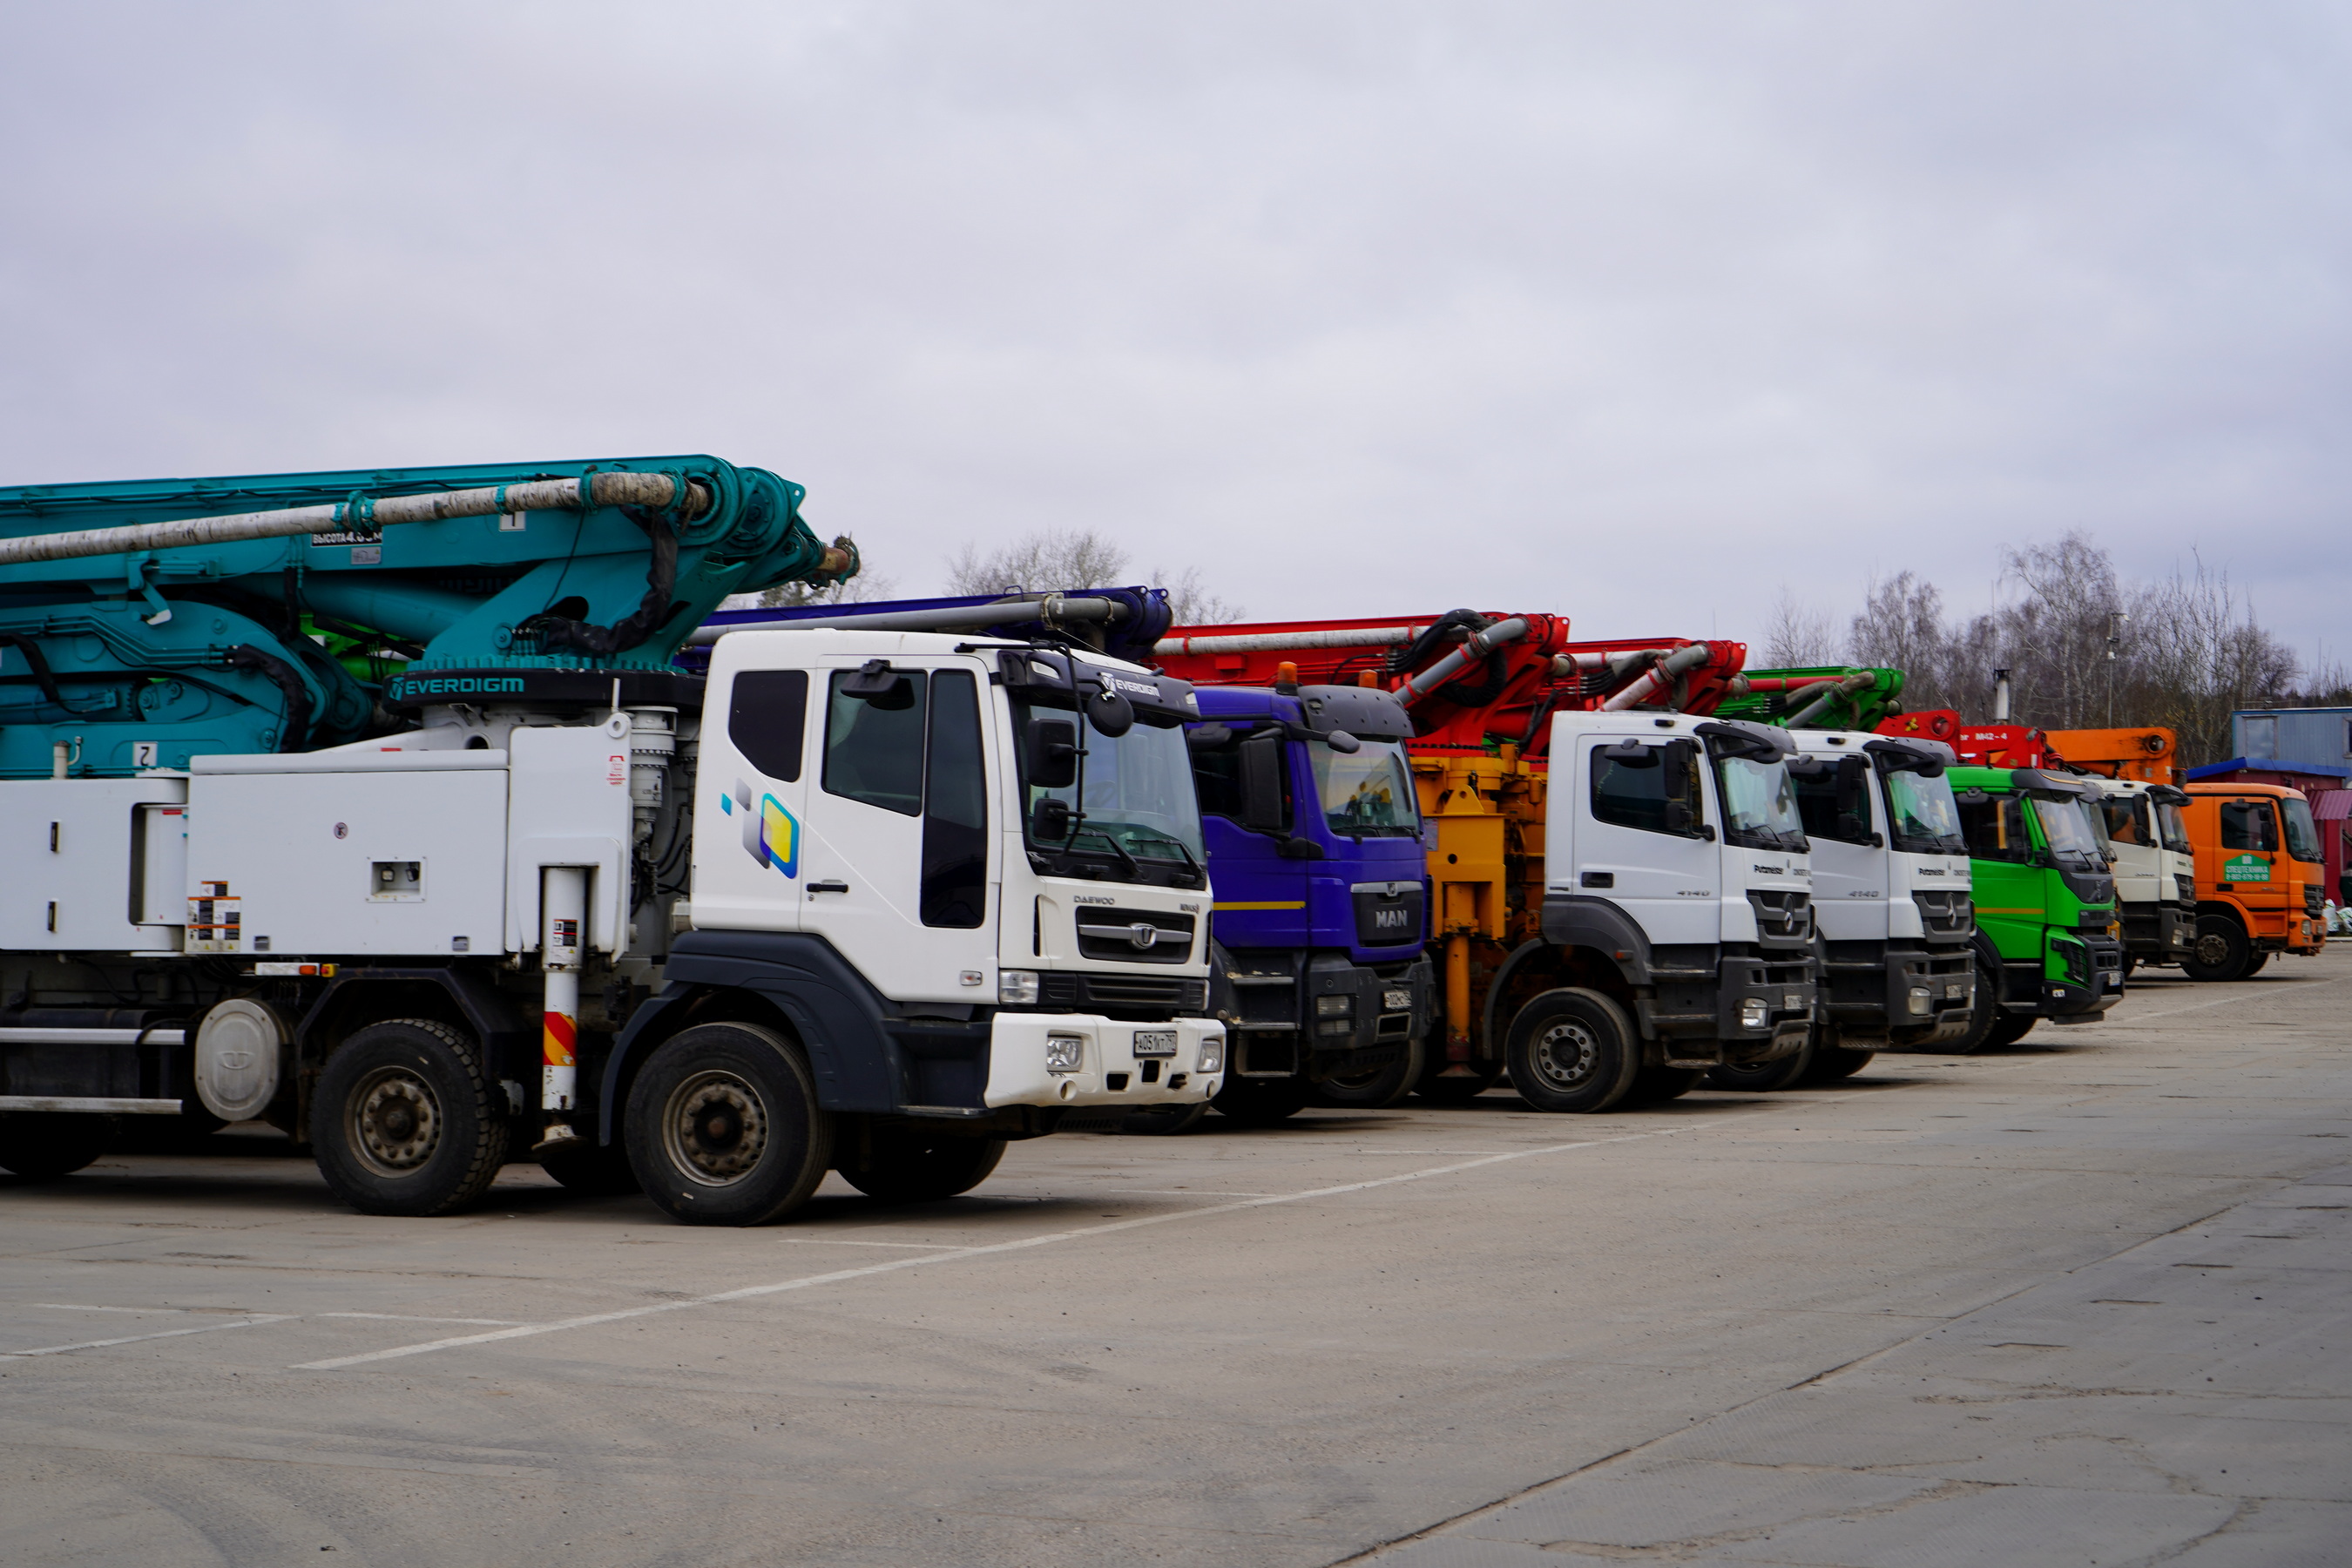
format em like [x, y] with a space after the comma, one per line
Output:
[2305, 749]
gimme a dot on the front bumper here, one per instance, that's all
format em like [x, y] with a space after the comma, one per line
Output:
[2085, 994]
[2158, 933]
[1898, 991]
[1109, 1072]
[1781, 988]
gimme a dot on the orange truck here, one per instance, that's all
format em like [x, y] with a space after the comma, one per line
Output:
[2258, 876]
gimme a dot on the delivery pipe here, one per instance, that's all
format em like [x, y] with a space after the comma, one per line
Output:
[963, 617]
[361, 514]
[1292, 642]
[562, 912]
[1660, 678]
[1477, 645]
[1825, 693]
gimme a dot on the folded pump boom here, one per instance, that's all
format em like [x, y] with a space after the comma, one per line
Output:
[145, 623]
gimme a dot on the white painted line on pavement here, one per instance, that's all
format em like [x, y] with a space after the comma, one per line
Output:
[407, 1318]
[135, 1338]
[1052, 1238]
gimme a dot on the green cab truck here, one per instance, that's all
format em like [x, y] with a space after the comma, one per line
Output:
[2048, 943]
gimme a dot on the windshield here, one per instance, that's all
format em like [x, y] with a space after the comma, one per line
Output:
[2066, 828]
[2302, 833]
[2175, 823]
[1133, 805]
[1926, 818]
[1760, 809]
[1367, 791]
[2095, 816]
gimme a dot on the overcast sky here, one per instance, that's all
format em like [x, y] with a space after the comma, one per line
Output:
[1631, 312]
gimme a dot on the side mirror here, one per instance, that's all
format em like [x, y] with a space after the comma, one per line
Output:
[1111, 714]
[1053, 752]
[1678, 758]
[1851, 800]
[881, 687]
[1261, 782]
[1049, 822]
[1678, 817]
[1343, 742]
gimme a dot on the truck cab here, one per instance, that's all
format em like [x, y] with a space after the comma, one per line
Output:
[1677, 928]
[2154, 868]
[1314, 836]
[2259, 874]
[2048, 943]
[1892, 893]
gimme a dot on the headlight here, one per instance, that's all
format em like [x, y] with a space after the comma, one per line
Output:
[1753, 1014]
[1065, 1053]
[1017, 987]
[1213, 1053]
[1333, 1006]
[1922, 1002]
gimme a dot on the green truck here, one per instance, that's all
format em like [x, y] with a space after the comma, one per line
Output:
[2049, 940]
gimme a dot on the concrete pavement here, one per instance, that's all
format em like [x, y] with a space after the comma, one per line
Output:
[1955, 1309]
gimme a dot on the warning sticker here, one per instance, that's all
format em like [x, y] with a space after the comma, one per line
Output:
[2246, 868]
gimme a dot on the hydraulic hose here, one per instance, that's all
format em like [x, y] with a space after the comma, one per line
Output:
[1660, 678]
[1824, 693]
[1477, 645]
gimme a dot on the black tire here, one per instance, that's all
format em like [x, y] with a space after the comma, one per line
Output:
[2009, 1028]
[907, 1167]
[1984, 1012]
[1574, 1051]
[402, 1122]
[724, 1126]
[1656, 1084]
[1763, 1078]
[1260, 1102]
[589, 1168]
[1381, 1086]
[2220, 949]
[2131, 962]
[1831, 1063]
[40, 1145]
[1165, 1120]
[2255, 964]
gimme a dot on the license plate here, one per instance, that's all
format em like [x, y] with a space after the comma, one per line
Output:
[1395, 1001]
[1155, 1042]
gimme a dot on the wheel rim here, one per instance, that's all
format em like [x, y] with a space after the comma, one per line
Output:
[1566, 1054]
[395, 1122]
[2213, 948]
[715, 1128]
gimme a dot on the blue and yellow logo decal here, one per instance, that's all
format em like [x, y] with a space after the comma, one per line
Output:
[772, 836]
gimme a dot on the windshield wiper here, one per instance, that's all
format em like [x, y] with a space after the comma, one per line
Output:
[1182, 848]
[1134, 866]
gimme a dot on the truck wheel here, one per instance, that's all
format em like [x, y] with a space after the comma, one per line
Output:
[1763, 1078]
[1656, 1086]
[1166, 1121]
[2009, 1028]
[1831, 1063]
[1984, 1012]
[402, 1121]
[589, 1168]
[724, 1127]
[1439, 1088]
[1260, 1102]
[39, 1144]
[2221, 951]
[1379, 1087]
[1573, 1050]
[910, 1168]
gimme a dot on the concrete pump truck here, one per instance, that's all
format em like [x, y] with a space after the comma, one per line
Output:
[371, 805]
[1621, 894]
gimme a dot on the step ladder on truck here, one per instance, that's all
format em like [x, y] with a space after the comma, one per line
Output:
[1616, 937]
[1313, 837]
[373, 807]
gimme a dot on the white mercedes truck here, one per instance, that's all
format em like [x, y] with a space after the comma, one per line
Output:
[2155, 867]
[883, 903]
[1678, 912]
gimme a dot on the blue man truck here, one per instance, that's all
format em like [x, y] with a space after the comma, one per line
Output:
[1318, 966]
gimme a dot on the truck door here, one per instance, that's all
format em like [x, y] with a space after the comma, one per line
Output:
[2249, 843]
[1630, 846]
[897, 870]
[2010, 908]
[1850, 874]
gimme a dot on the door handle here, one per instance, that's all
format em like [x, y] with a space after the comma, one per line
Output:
[816, 888]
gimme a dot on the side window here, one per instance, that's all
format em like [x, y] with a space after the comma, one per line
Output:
[1634, 794]
[2247, 825]
[955, 807]
[1217, 777]
[2127, 818]
[873, 747]
[1995, 828]
[767, 713]
[1817, 807]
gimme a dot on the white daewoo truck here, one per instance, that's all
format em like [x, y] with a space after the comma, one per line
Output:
[1892, 908]
[1677, 922]
[883, 903]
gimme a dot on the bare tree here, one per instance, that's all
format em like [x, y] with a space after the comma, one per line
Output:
[1901, 626]
[1190, 600]
[2203, 660]
[1047, 559]
[1798, 636]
